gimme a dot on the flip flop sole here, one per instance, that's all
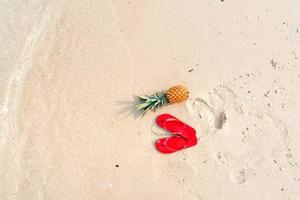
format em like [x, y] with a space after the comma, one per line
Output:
[174, 143]
[170, 144]
[175, 126]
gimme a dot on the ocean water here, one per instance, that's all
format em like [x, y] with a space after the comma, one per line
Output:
[60, 32]
[21, 24]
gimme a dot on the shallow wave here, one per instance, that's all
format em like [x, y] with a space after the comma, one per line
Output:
[23, 24]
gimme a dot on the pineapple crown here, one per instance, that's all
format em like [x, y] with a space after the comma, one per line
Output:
[152, 102]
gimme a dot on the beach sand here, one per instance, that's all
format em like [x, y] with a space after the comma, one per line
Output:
[70, 71]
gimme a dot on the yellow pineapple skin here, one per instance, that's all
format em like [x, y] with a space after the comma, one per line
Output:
[177, 94]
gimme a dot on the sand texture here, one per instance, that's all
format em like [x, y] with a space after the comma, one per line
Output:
[69, 74]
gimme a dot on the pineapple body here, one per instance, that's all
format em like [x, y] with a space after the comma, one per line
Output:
[177, 94]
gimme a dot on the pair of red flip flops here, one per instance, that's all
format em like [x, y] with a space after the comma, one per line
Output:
[183, 136]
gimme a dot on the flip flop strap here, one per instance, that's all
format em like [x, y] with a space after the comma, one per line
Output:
[181, 132]
[174, 119]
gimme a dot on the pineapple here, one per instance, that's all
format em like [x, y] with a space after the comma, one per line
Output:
[175, 94]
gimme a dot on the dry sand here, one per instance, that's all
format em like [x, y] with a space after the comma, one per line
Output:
[69, 73]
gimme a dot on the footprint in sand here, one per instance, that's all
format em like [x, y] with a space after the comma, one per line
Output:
[210, 111]
[222, 158]
[239, 177]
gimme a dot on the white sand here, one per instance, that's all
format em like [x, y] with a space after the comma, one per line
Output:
[69, 70]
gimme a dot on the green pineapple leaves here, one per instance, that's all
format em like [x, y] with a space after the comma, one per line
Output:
[151, 102]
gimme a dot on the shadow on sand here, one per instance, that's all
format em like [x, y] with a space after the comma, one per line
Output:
[129, 108]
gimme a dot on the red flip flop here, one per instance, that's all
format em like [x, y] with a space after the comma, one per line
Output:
[184, 135]
[175, 126]
[170, 144]
[174, 143]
